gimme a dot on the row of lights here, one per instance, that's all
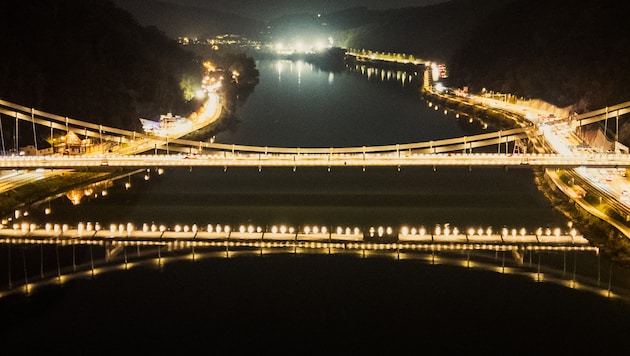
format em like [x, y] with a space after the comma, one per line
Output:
[470, 119]
[379, 231]
[447, 231]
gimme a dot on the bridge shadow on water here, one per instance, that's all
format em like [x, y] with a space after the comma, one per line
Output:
[291, 296]
[306, 298]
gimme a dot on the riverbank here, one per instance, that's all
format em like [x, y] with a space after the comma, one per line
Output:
[28, 194]
[31, 193]
[495, 118]
[599, 230]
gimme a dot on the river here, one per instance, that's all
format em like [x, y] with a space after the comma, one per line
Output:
[303, 303]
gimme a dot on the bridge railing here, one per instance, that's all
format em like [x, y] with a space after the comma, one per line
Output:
[381, 159]
[127, 137]
[602, 114]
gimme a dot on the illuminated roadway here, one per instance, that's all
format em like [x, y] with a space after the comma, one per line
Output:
[260, 160]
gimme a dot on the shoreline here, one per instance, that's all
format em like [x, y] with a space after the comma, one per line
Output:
[36, 192]
[600, 232]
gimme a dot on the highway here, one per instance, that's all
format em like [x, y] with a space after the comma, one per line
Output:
[224, 159]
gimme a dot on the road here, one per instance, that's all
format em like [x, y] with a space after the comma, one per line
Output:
[611, 184]
[259, 160]
[14, 177]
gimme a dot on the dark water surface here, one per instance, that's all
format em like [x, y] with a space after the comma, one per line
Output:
[306, 303]
[297, 105]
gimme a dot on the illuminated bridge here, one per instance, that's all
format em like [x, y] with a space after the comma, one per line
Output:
[398, 160]
[64, 253]
[342, 236]
[124, 148]
[114, 140]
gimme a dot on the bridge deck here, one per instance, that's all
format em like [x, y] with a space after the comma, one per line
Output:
[320, 160]
[64, 235]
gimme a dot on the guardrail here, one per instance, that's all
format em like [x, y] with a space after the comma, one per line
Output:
[395, 159]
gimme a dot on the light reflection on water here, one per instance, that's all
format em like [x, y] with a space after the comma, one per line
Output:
[49, 263]
[297, 105]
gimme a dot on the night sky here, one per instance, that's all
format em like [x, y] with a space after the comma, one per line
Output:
[268, 9]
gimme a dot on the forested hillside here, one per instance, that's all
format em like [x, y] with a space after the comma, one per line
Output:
[92, 61]
[177, 20]
[434, 32]
[565, 52]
